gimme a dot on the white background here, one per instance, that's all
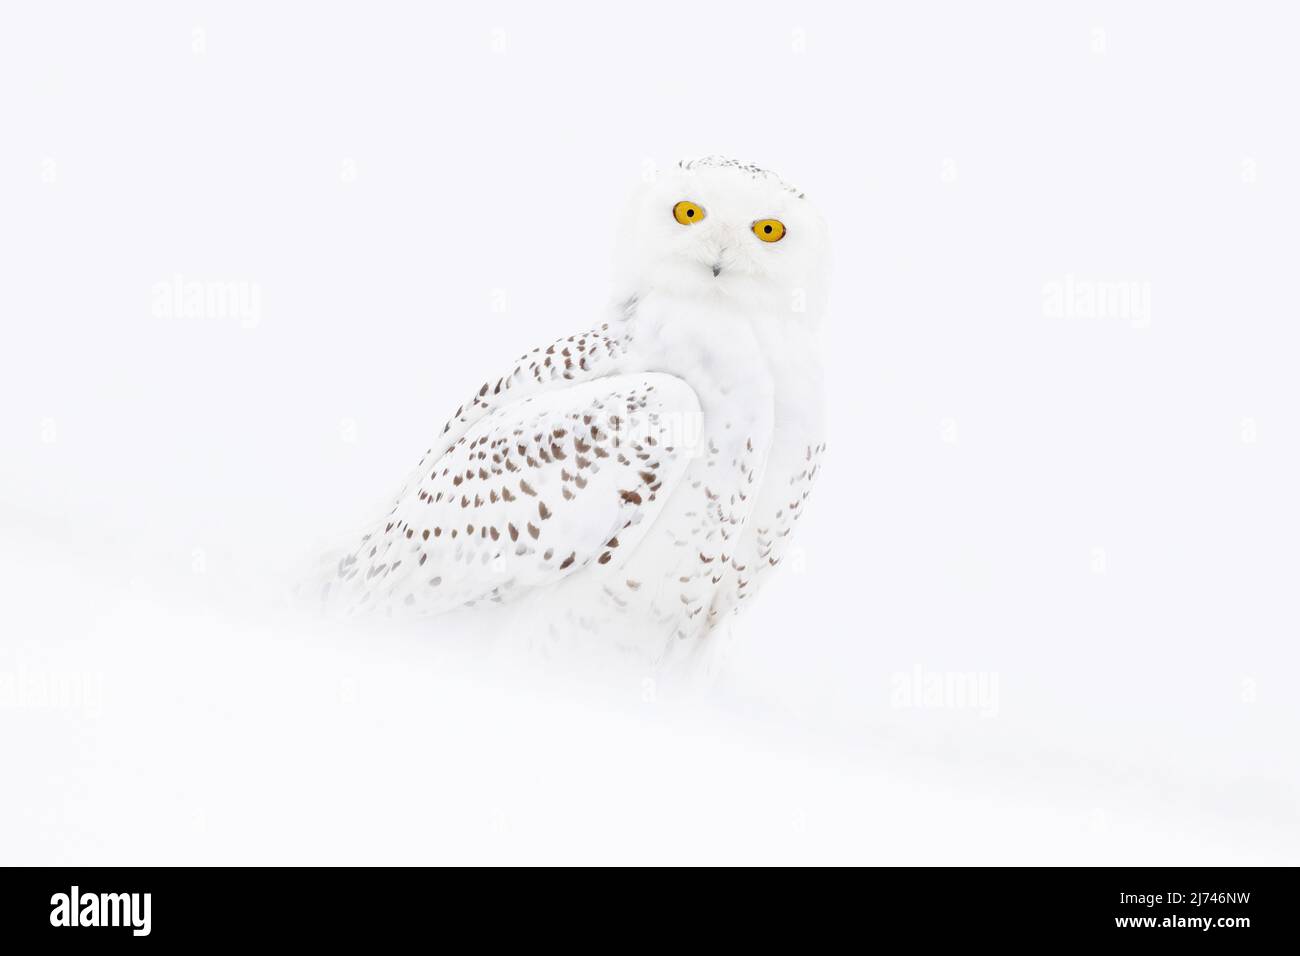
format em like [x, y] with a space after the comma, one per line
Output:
[1096, 515]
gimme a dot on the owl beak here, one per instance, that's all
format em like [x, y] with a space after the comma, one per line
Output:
[717, 268]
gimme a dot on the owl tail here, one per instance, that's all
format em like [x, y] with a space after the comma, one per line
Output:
[321, 585]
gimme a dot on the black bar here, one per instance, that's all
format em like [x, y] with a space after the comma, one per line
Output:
[218, 906]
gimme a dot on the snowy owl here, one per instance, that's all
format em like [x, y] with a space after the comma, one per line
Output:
[633, 484]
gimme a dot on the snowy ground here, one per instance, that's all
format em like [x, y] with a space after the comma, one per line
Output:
[145, 728]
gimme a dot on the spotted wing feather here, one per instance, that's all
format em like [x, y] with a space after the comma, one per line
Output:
[531, 492]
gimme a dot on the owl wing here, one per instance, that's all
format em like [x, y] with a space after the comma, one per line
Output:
[532, 491]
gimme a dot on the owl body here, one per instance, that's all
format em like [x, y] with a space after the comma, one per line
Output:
[634, 485]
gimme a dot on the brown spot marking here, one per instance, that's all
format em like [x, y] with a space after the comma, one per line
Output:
[569, 560]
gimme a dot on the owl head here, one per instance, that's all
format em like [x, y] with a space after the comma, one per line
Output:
[728, 232]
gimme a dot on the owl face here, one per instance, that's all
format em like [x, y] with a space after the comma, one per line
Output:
[732, 233]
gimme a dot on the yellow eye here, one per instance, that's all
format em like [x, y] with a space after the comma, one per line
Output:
[686, 212]
[769, 230]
